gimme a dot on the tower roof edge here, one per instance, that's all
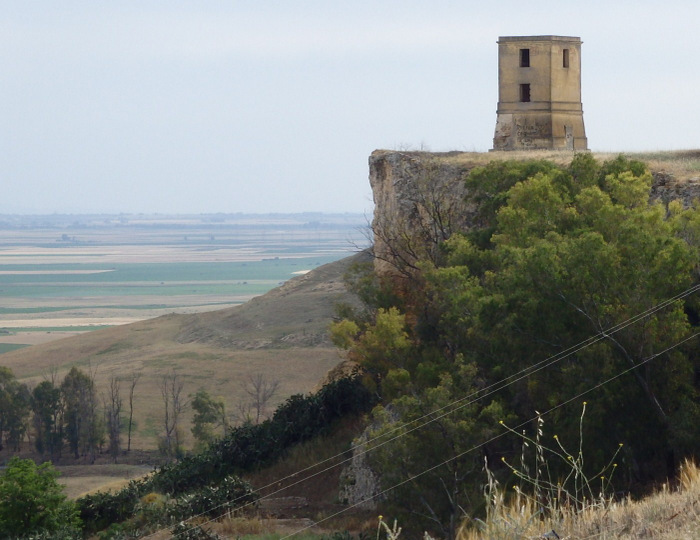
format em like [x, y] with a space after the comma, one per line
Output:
[539, 38]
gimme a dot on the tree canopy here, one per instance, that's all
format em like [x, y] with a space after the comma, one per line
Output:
[558, 256]
[32, 502]
[14, 409]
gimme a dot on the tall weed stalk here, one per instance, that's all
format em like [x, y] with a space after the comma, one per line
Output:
[542, 501]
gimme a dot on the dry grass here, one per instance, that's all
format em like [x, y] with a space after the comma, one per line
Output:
[217, 370]
[280, 334]
[266, 529]
[319, 492]
[321, 488]
[242, 526]
[79, 480]
[681, 165]
[668, 514]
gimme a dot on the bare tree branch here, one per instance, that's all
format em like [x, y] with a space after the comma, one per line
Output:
[132, 385]
[260, 389]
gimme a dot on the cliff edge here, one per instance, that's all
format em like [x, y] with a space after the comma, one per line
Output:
[420, 197]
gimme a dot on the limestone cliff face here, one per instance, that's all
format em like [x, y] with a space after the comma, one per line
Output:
[419, 201]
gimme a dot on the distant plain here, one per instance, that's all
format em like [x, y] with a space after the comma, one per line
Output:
[65, 275]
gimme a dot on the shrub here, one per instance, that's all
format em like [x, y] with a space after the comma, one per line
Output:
[32, 502]
[207, 479]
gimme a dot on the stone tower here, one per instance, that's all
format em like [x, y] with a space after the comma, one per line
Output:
[539, 94]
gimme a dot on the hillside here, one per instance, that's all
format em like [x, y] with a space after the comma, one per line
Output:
[282, 334]
[493, 301]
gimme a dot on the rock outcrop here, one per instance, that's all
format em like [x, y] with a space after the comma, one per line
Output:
[419, 200]
[667, 187]
[359, 484]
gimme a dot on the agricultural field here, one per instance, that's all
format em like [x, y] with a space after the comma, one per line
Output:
[65, 275]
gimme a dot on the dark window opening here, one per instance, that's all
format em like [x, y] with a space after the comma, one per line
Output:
[524, 57]
[565, 58]
[525, 92]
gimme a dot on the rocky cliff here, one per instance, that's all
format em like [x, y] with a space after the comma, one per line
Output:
[419, 197]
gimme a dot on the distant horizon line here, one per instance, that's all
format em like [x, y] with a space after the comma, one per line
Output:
[180, 214]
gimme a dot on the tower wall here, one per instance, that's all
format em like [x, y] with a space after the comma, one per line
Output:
[539, 94]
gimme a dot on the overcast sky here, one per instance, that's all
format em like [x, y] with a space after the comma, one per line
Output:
[274, 106]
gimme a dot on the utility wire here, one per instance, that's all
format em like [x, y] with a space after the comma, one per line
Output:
[496, 437]
[487, 391]
[462, 402]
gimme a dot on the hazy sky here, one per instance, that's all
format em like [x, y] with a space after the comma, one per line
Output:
[274, 106]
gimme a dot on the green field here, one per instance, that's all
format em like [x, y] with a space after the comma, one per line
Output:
[7, 347]
[80, 273]
[149, 279]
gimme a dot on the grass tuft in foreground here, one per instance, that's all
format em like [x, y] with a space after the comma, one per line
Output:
[671, 513]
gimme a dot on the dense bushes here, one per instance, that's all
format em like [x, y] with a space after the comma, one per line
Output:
[152, 510]
[246, 448]
[32, 503]
[249, 447]
[102, 509]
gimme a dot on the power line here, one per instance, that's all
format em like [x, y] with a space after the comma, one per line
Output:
[462, 402]
[496, 437]
[487, 391]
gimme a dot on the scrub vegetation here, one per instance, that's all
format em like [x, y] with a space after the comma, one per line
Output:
[570, 287]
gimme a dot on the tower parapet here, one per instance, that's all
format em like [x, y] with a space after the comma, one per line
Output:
[539, 94]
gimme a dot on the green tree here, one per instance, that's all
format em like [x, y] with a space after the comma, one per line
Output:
[32, 502]
[14, 409]
[82, 427]
[568, 259]
[378, 346]
[434, 498]
[210, 416]
[47, 409]
[488, 187]
[558, 254]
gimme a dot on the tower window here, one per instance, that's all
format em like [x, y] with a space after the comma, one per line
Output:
[524, 57]
[525, 92]
[565, 58]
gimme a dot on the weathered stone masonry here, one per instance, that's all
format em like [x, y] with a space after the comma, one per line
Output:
[539, 94]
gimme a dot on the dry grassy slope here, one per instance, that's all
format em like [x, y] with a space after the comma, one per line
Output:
[282, 334]
[684, 165]
[296, 313]
[668, 514]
